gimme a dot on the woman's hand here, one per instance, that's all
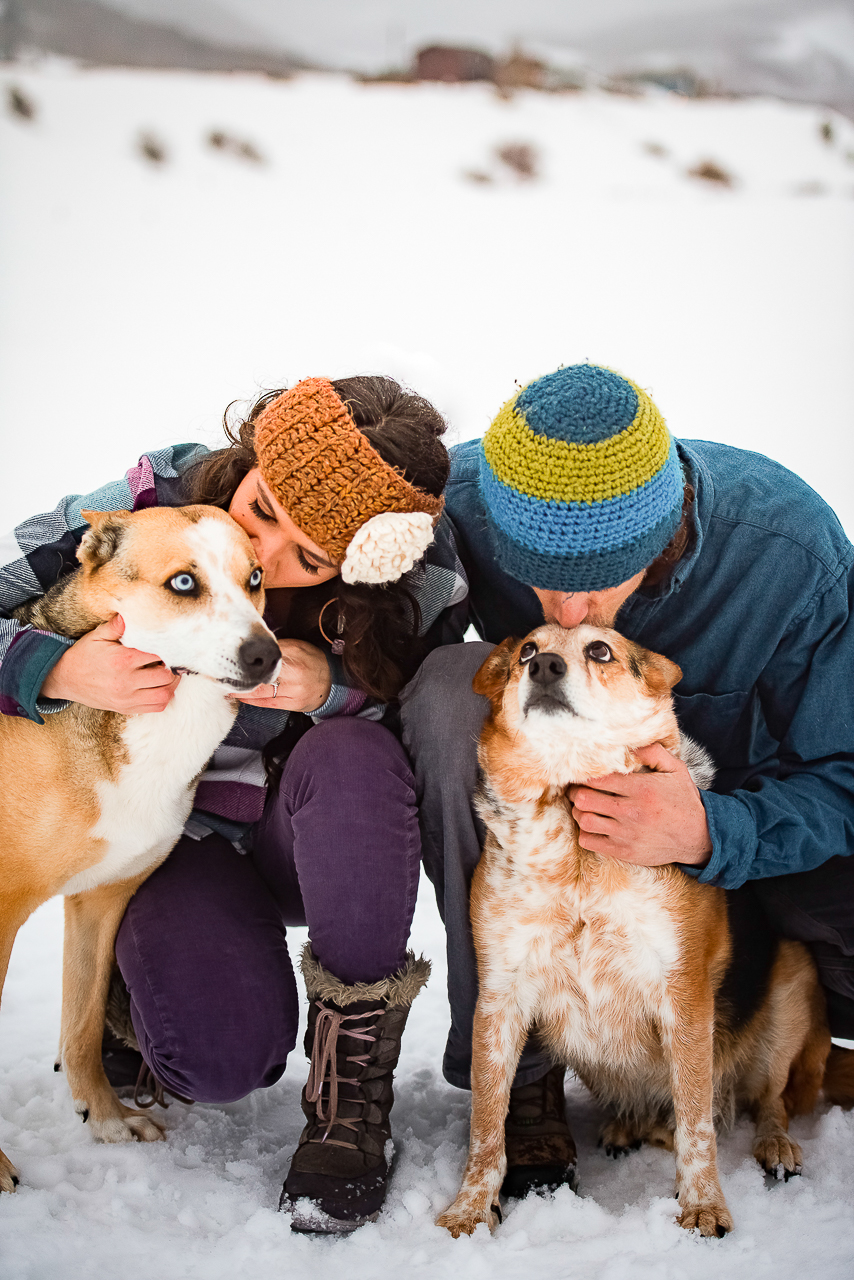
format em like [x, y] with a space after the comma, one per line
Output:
[304, 680]
[100, 672]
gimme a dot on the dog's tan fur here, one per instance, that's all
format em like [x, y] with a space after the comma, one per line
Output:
[616, 966]
[93, 800]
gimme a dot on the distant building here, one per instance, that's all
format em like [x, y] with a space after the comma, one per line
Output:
[521, 71]
[444, 62]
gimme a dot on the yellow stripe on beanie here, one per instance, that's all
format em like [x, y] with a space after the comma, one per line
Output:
[567, 471]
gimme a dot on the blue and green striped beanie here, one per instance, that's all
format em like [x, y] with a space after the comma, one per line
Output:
[581, 481]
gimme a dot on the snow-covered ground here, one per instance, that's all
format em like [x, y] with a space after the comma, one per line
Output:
[203, 1204]
[139, 298]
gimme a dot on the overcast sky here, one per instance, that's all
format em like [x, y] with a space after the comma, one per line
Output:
[374, 33]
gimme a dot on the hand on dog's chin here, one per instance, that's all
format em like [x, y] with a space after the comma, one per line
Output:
[304, 681]
[648, 819]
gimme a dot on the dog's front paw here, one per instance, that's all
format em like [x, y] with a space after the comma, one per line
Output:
[778, 1155]
[464, 1216]
[711, 1218]
[133, 1126]
[8, 1174]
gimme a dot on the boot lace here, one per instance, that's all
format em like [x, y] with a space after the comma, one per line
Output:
[324, 1059]
[148, 1084]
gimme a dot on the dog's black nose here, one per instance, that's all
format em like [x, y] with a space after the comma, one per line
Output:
[258, 656]
[546, 668]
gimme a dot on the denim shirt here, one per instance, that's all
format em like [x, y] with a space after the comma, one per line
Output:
[758, 614]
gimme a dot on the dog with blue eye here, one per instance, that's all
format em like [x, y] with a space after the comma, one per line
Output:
[671, 1000]
[95, 800]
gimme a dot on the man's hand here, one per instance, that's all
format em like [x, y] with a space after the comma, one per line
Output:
[646, 818]
[304, 680]
[100, 672]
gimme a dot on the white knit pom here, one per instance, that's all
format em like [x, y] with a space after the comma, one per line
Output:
[387, 546]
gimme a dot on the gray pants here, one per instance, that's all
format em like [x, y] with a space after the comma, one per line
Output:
[442, 718]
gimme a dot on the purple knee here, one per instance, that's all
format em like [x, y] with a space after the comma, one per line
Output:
[349, 747]
[203, 953]
[232, 1059]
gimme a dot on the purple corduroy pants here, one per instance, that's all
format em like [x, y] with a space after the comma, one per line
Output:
[202, 945]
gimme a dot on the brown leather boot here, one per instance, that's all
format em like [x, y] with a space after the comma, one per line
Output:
[340, 1170]
[540, 1149]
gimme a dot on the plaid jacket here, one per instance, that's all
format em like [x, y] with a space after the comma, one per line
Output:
[38, 552]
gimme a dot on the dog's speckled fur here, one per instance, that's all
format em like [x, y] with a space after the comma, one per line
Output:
[619, 967]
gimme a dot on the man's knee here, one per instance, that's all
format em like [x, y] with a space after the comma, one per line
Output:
[441, 714]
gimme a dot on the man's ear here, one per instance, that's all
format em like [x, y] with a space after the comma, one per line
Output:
[658, 672]
[103, 538]
[492, 676]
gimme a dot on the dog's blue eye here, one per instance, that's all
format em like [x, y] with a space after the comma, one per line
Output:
[527, 651]
[183, 583]
[598, 651]
[255, 579]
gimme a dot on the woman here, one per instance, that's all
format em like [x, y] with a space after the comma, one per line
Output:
[338, 485]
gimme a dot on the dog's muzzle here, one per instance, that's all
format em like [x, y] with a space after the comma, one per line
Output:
[546, 672]
[256, 660]
[258, 657]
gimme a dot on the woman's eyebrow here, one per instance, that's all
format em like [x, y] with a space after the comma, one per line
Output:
[261, 492]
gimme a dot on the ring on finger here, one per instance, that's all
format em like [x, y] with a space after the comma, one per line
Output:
[275, 687]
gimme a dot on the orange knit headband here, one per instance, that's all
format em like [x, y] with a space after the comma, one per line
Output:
[324, 472]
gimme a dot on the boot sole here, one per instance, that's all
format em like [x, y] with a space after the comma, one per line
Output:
[312, 1221]
[521, 1180]
[307, 1217]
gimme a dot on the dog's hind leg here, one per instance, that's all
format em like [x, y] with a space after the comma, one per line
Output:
[793, 1055]
[91, 923]
[497, 1039]
[621, 1135]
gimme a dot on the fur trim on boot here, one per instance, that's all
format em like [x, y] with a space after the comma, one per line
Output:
[397, 992]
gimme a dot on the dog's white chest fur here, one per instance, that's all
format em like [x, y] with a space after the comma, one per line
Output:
[144, 809]
[585, 959]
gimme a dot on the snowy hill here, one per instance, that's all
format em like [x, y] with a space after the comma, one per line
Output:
[170, 242]
[378, 228]
[789, 49]
[796, 49]
[103, 35]
[800, 50]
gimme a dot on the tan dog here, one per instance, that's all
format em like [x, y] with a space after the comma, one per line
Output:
[655, 989]
[94, 800]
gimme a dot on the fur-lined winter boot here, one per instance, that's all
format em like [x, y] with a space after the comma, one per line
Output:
[340, 1170]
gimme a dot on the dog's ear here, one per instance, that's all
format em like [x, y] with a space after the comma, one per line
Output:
[492, 676]
[103, 538]
[659, 673]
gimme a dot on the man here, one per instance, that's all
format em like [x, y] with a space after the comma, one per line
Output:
[579, 507]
